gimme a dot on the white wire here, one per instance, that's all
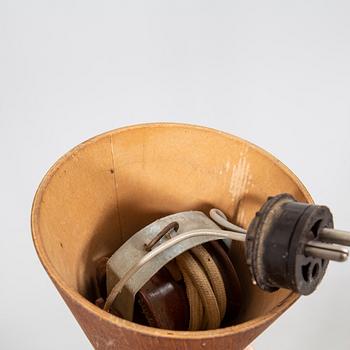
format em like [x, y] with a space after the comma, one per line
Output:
[220, 218]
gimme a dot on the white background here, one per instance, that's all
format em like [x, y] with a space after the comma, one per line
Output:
[274, 72]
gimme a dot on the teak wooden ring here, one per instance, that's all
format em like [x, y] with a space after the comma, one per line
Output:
[110, 186]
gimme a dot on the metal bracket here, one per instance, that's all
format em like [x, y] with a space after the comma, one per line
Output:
[133, 251]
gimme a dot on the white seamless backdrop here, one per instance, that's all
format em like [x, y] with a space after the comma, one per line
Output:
[274, 72]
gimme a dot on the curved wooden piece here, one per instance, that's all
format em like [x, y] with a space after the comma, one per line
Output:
[109, 187]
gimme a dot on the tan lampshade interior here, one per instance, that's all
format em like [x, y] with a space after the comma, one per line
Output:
[107, 188]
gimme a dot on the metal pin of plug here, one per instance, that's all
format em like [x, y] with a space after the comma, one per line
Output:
[335, 236]
[330, 245]
[326, 251]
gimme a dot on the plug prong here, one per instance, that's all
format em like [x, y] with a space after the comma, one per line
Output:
[326, 251]
[331, 235]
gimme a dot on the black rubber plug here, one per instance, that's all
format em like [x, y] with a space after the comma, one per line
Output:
[276, 240]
